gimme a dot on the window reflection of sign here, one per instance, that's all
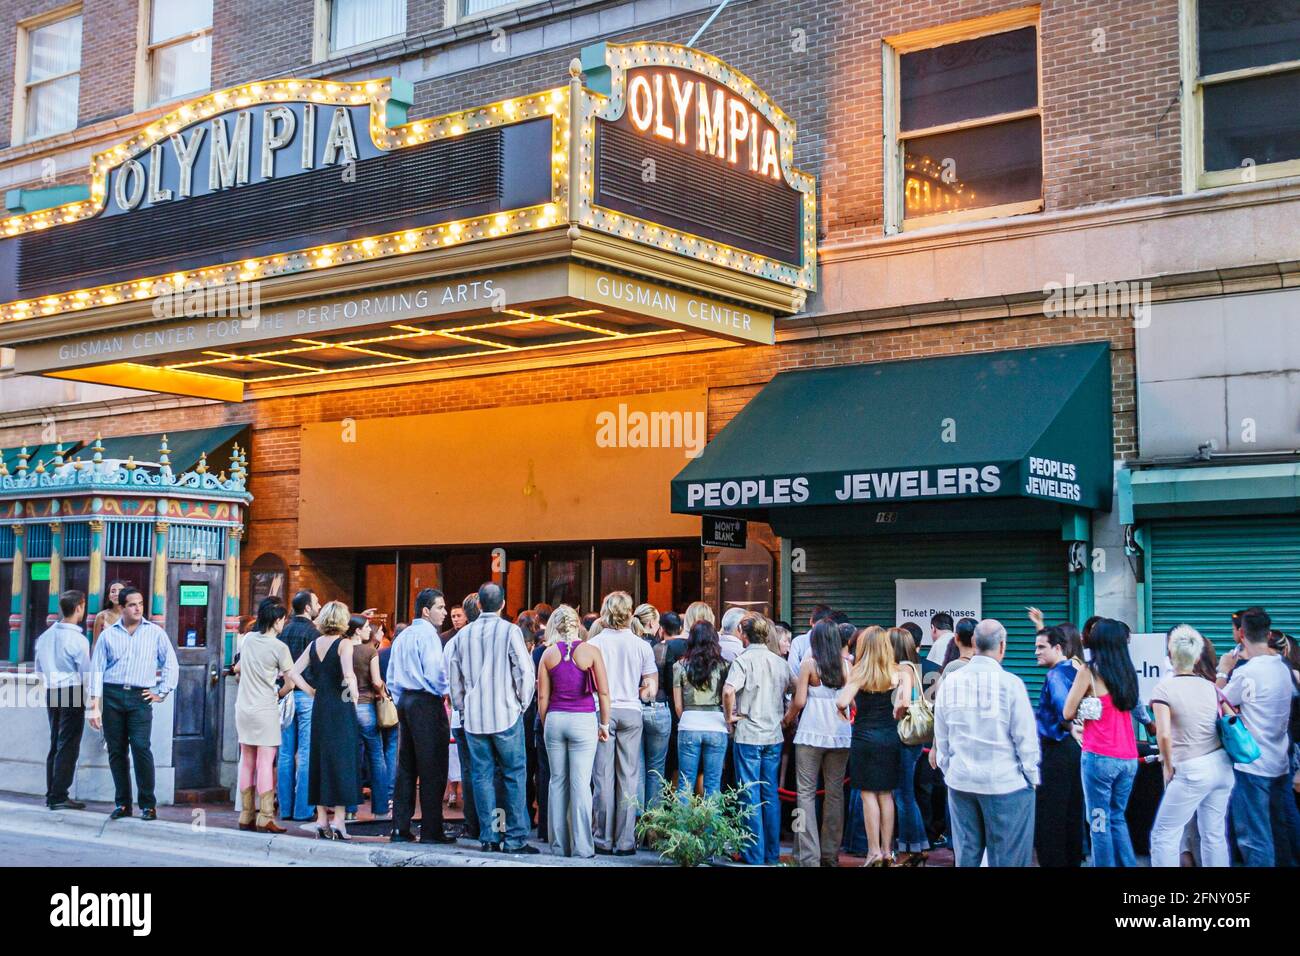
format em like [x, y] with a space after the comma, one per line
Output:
[926, 193]
[192, 614]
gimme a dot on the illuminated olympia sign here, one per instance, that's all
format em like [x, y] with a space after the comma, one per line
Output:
[654, 192]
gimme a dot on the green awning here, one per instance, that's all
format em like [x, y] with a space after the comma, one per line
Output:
[1032, 423]
[1200, 490]
[184, 447]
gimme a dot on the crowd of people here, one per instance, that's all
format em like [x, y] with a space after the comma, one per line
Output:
[846, 736]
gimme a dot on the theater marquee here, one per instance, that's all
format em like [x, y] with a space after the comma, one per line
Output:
[294, 229]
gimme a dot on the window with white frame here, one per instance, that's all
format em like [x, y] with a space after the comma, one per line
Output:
[964, 123]
[473, 8]
[179, 48]
[354, 23]
[50, 57]
[1242, 63]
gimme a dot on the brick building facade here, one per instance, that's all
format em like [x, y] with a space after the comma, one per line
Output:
[1116, 206]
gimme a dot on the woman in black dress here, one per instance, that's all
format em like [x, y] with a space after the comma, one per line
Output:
[334, 770]
[875, 687]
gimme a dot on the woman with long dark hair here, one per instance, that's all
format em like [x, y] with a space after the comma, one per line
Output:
[1105, 692]
[370, 689]
[111, 611]
[821, 746]
[697, 697]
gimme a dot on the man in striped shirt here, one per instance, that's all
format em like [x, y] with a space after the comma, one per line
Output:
[492, 682]
[133, 667]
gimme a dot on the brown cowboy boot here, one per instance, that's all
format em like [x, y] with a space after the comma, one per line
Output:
[266, 814]
[246, 809]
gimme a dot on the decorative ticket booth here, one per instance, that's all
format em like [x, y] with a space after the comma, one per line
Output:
[80, 515]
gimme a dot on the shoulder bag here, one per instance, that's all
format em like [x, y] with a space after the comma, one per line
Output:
[1234, 736]
[386, 712]
[917, 725]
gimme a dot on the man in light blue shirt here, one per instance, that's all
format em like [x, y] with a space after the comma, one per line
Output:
[133, 667]
[63, 659]
[417, 680]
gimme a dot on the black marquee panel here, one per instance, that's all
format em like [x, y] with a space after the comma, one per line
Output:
[476, 174]
[697, 194]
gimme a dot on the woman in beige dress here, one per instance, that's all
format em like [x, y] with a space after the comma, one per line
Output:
[263, 658]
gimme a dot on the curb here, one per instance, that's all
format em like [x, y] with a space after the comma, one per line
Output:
[235, 847]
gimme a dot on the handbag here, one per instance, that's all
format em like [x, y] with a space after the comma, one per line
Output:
[917, 725]
[287, 710]
[386, 712]
[1234, 735]
[1090, 707]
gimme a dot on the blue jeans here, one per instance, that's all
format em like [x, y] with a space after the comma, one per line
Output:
[295, 744]
[1263, 814]
[372, 751]
[911, 828]
[656, 728]
[487, 752]
[1107, 783]
[758, 767]
[697, 751]
[389, 737]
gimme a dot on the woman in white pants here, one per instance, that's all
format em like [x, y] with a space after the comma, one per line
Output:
[1198, 771]
[573, 707]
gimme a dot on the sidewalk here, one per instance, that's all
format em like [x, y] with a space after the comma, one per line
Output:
[211, 830]
[215, 827]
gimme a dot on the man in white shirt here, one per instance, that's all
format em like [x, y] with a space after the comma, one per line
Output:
[729, 636]
[63, 658]
[633, 679]
[986, 739]
[1262, 808]
[940, 636]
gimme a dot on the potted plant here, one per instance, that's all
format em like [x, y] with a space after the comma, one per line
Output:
[690, 830]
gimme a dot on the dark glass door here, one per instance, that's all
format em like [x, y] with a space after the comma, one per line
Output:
[194, 619]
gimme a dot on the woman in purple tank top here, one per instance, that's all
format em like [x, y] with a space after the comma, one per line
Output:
[570, 681]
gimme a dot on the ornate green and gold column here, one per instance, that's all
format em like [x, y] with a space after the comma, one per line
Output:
[95, 580]
[16, 594]
[56, 569]
[158, 597]
[231, 622]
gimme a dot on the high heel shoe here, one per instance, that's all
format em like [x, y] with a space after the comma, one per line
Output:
[340, 835]
[325, 833]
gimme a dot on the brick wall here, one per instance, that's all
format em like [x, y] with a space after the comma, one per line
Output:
[1110, 117]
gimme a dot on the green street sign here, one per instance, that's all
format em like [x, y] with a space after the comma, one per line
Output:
[41, 571]
[194, 595]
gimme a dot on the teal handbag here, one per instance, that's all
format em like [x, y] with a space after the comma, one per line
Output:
[1234, 736]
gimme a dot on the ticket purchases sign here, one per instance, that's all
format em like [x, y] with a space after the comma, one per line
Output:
[919, 599]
